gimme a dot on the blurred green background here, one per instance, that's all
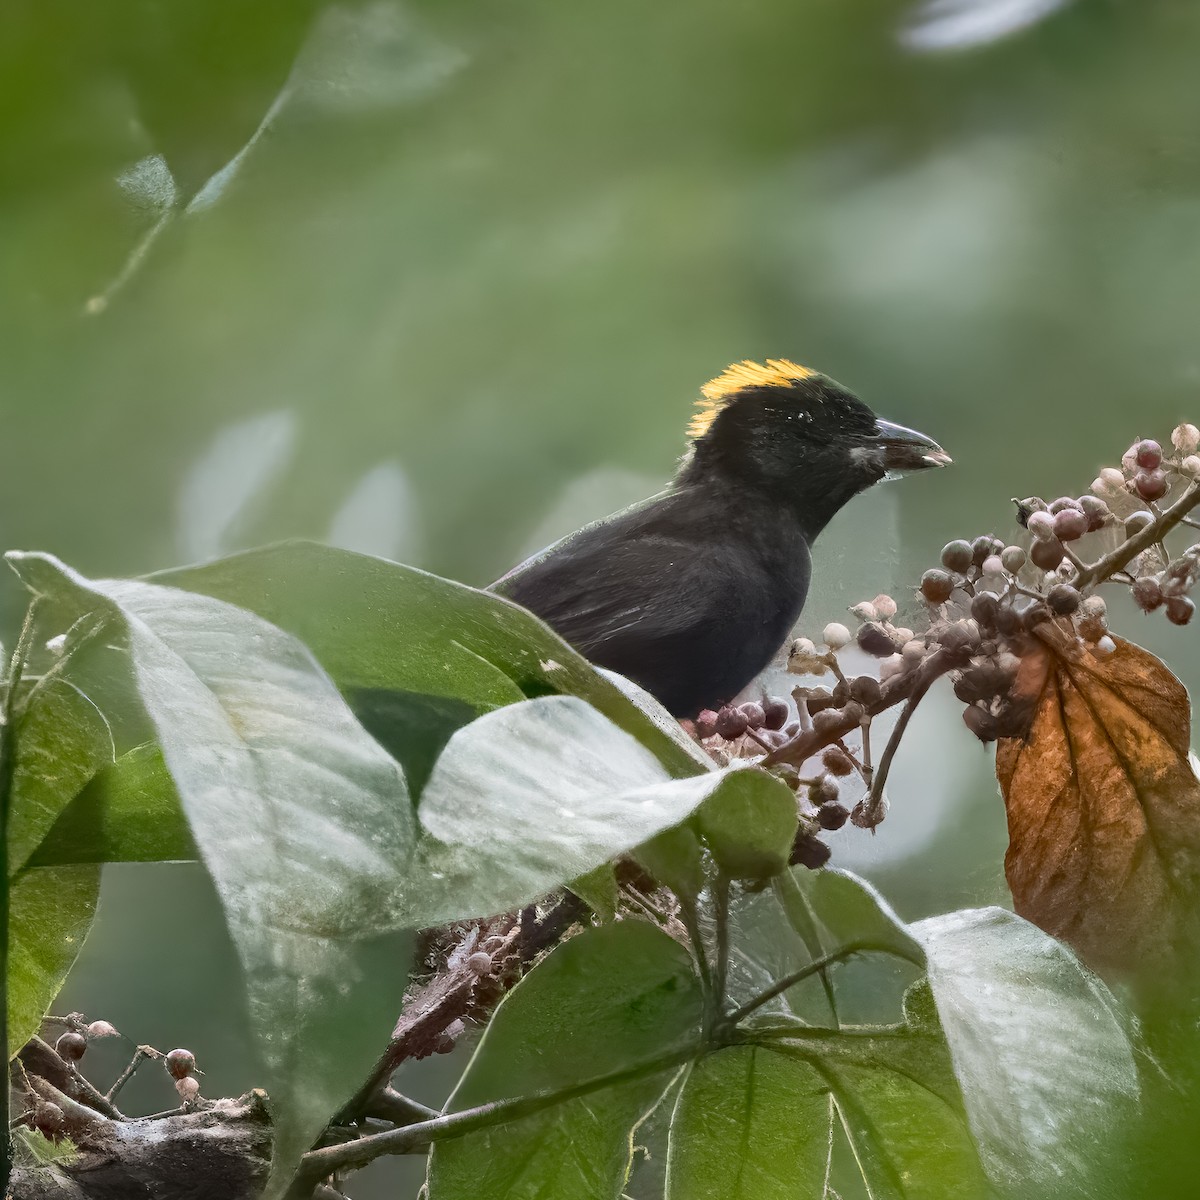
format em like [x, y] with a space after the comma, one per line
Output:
[440, 281]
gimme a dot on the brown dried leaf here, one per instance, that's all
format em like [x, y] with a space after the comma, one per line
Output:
[1104, 807]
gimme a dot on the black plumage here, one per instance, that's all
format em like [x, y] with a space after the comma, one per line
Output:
[691, 592]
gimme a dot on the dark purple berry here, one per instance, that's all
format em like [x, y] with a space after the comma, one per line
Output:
[1070, 524]
[1147, 594]
[775, 713]
[1008, 620]
[72, 1046]
[180, 1063]
[1179, 610]
[832, 815]
[754, 714]
[706, 723]
[808, 851]
[865, 689]
[731, 723]
[983, 547]
[1063, 599]
[1148, 455]
[979, 683]
[874, 639]
[1047, 554]
[1151, 485]
[936, 587]
[980, 722]
[984, 607]
[957, 556]
[958, 638]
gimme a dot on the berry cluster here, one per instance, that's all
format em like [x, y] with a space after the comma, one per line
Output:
[977, 614]
[736, 721]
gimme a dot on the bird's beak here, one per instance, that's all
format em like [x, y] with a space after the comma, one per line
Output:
[908, 450]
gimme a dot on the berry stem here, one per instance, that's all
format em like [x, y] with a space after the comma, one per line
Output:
[925, 679]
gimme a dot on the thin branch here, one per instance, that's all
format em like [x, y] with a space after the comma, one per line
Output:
[318, 1164]
[1128, 550]
[930, 670]
[142, 1053]
[813, 968]
[721, 951]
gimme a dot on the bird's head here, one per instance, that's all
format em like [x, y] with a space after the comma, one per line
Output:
[800, 437]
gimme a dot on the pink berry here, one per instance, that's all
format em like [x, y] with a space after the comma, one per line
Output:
[1041, 526]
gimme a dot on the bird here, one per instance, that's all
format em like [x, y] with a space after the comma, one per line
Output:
[691, 592]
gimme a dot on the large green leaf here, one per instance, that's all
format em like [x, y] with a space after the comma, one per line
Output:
[540, 793]
[750, 1124]
[127, 812]
[1039, 1049]
[61, 741]
[50, 913]
[609, 999]
[377, 626]
[301, 818]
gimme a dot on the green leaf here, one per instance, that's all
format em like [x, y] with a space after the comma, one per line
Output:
[750, 831]
[750, 1124]
[537, 794]
[377, 625]
[50, 913]
[127, 812]
[675, 859]
[612, 998]
[598, 889]
[61, 741]
[908, 1142]
[851, 910]
[301, 818]
[1039, 1049]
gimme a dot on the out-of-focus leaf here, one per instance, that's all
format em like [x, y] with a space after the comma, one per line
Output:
[1104, 808]
[540, 793]
[1044, 1064]
[128, 812]
[379, 516]
[609, 999]
[374, 624]
[301, 818]
[221, 485]
[50, 913]
[750, 1124]
[61, 741]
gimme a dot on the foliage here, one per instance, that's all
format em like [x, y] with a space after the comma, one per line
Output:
[545, 773]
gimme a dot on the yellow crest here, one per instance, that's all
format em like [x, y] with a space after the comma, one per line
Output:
[716, 393]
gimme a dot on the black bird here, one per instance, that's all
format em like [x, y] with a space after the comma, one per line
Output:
[691, 592]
